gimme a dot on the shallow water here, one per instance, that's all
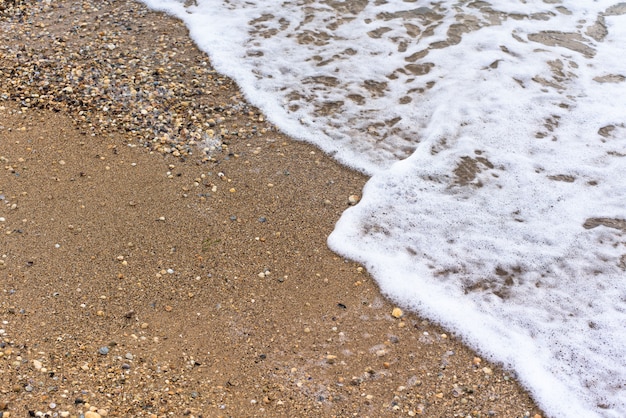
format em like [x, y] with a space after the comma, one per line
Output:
[495, 135]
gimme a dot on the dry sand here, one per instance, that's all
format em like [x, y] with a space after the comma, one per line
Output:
[138, 279]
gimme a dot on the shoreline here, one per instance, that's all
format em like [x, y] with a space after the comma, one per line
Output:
[143, 280]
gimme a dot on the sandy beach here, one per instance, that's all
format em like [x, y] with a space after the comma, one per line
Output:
[163, 247]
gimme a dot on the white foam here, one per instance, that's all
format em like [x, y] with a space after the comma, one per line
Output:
[496, 140]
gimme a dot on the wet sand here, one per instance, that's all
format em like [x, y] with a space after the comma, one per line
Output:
[177, 266]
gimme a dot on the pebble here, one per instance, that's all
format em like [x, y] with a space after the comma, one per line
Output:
[397, 313]
[103, 350]
[92, 414]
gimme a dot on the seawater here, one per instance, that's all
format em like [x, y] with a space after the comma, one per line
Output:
[494, 133]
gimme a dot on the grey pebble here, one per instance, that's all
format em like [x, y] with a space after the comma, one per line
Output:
[103, 350]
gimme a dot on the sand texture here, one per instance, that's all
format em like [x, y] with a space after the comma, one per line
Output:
[162, 246]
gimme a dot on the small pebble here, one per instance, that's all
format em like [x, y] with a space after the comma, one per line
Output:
[353, 199]
[103, 350]
[396, 313]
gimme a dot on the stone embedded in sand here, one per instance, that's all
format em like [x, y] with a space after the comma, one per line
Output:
[92, 414]
[353, 199]
[397, 313]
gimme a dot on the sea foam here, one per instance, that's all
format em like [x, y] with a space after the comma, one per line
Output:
[495, 135]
